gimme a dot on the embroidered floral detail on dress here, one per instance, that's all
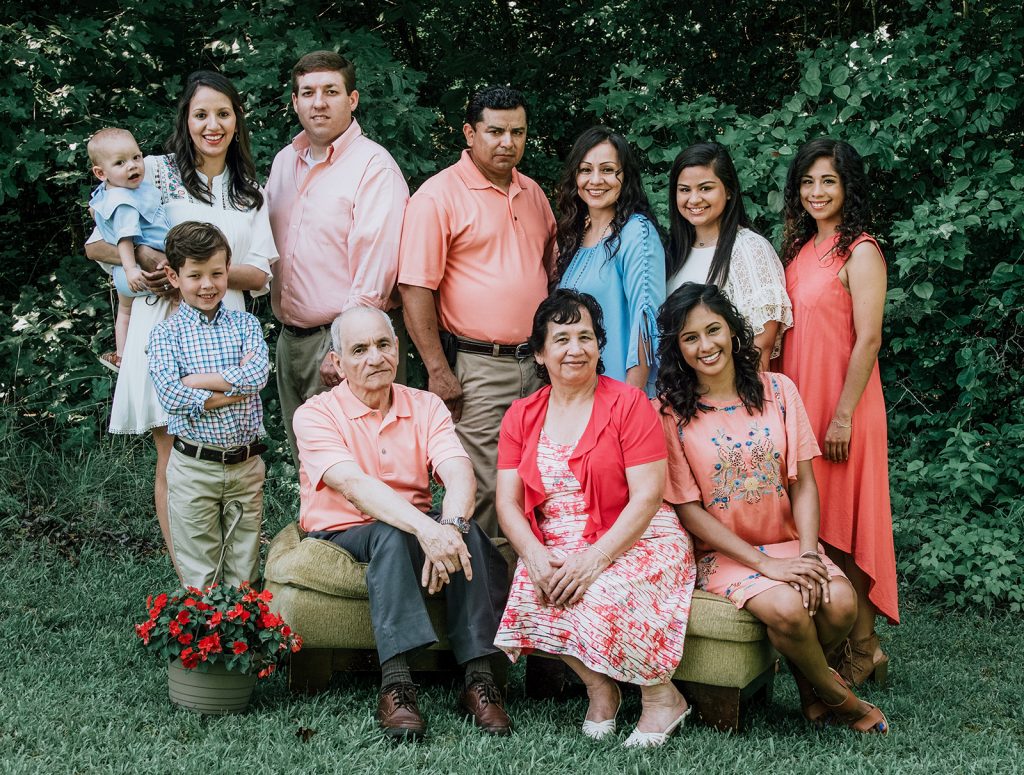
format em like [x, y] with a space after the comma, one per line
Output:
[171, 186]
[747, 469]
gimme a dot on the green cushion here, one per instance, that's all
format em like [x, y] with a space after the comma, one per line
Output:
[310, 563]
[320, 590]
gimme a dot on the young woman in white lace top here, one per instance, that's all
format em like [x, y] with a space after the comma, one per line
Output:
[711, 240]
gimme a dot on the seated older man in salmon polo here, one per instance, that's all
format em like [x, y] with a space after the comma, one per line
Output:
[366, 450]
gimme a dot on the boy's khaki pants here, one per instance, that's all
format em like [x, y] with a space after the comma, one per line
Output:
[203, 499]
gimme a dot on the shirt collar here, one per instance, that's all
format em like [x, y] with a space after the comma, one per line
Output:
[301, 142]
[191, 315]
[474, 178]
[354, 408]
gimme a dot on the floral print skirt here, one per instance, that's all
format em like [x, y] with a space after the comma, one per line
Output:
[631, 622]
[721, 575]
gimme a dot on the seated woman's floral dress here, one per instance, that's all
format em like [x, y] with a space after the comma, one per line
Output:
[739, 466]
[630, 624]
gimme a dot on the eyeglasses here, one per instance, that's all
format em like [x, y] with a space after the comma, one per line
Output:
[602, 172]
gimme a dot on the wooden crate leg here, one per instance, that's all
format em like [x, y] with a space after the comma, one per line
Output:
[716, 706]
[309, 671]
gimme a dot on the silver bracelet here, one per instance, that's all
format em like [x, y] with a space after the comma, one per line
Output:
[808, 555]
[602, 551]
[840, 425]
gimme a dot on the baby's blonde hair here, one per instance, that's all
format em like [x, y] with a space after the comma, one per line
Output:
[100, 141]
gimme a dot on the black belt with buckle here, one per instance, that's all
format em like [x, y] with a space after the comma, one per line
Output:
[520, 351]
[304, 332]
[227, 457]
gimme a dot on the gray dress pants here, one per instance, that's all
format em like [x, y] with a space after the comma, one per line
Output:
[398, 609]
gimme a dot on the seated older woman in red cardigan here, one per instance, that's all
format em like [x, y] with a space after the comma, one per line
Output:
[605, 573]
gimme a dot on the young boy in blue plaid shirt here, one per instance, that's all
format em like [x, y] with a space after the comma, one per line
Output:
[208, 364]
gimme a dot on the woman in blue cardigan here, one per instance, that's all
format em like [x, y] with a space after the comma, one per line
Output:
[609, 246]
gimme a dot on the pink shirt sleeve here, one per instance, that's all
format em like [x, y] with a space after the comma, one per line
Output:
[442, 442]
[373, 240]
[320, 443]
[424, 246]
[639, 432]
[680, 484]
[800, 441]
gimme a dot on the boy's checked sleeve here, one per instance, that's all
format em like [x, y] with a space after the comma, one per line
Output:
[174, 396]
[250, 378]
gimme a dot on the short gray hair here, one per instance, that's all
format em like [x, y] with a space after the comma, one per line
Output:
[339, 324]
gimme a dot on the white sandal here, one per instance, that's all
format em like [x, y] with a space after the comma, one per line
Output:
[640, 739]
[599, 730]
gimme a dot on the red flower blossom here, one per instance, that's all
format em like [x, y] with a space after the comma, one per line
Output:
[268, 621]
[210, 644]
[185, 638]
[296, 644]
[239, 647]
[158, 605]
[144, 630]
[215, 618]
[239, 612]
[266, 671]
[183, 617]
[189, 659]
[266, 596]
[174, 628]
[190, 602]
[201, 606]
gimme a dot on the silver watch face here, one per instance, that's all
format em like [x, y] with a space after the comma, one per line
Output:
[458, 523]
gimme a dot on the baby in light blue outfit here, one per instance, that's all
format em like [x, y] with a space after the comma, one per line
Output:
[128, 212]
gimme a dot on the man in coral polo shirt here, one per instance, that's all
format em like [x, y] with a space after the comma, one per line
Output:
[477, 253]
[336, 200]
[366, 450]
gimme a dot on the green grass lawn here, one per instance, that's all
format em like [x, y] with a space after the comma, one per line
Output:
[76, 695]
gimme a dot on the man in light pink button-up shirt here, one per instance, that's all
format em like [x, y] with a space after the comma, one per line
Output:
[336, 201]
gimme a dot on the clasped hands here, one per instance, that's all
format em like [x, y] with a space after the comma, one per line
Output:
[446, 554]
[562, 581]
[807, 575]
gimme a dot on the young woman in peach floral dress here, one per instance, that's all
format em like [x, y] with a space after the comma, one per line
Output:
[740, 448]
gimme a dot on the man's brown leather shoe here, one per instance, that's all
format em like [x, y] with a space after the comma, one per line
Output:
[398, 714]
[482, 700]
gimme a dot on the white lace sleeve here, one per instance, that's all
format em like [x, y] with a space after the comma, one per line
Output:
[757, 285]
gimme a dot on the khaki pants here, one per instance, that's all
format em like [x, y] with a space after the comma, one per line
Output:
[298, 360]
[489, 386]
[203, 499]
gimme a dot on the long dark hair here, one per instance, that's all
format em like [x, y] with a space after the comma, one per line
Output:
[244, 192]
[565, 305]
[677, 382]
[572, 213]
[799, 225]
[682, 233]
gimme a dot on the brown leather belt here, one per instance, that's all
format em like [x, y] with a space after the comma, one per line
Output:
[520, 351]
[227, 457]
[304, 332]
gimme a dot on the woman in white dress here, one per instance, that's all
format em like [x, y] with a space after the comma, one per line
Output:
[711, 240]
[208, 175]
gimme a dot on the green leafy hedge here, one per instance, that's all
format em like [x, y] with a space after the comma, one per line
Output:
[929, 93]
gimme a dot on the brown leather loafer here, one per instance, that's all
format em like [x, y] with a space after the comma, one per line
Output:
[482, 700]
[398, 714]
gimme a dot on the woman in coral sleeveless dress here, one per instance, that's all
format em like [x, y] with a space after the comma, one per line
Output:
[836, 279]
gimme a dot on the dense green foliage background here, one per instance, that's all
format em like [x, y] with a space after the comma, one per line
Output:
[930, 93]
